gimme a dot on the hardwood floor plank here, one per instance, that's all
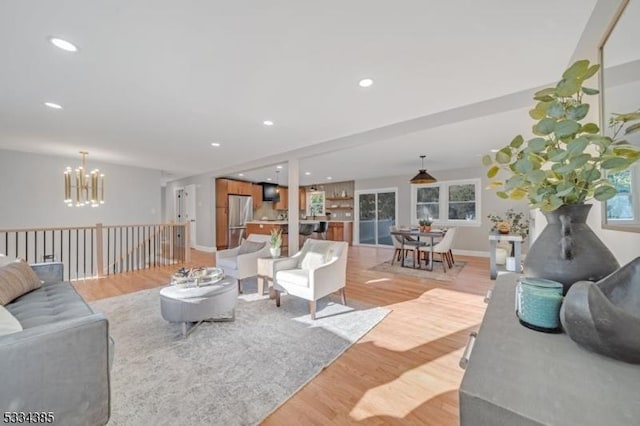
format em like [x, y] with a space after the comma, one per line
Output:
[404, 371]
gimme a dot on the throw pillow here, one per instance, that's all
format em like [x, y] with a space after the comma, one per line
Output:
[315, 256]
[8, 323]
[251, 246]
[16, 279]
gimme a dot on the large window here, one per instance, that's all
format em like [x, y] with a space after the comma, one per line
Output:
[624, 208]
[447, 203]
[316, 203]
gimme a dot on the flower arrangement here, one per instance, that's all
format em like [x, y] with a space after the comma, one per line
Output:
[515, 221]
[276, 238]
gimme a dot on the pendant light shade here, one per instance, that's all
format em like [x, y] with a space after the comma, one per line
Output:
[423, 176]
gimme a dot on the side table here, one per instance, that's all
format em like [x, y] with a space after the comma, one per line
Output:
[493, 242]
[265, 273]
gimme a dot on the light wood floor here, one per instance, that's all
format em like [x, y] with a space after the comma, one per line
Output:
[404, 371]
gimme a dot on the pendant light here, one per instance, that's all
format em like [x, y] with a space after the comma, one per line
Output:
[423, 176]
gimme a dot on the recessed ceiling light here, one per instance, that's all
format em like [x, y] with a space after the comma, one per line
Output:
[63, 44]
[278, 167]
[216, 144]
[365, 82]
[329, 178]
[495, 150]
[240, 174]
[52, 105]
[307, 173]
[267, 123]
[268, 178]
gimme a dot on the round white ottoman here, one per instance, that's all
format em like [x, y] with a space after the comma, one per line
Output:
[215, 302]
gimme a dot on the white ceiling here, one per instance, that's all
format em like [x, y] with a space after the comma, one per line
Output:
[155, 82]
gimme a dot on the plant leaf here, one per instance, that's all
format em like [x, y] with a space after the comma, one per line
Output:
[514, 182]
[577, 146]
[588, 91]
[632, 129]
[536, 176]
[518, 194]
[623, 118]
[537, 144]
[524, 165]
[568, 87]
[578, 113]
[517, 142]
[555, 202]
[495, 184]
[555, 110]
[544, 127]
[577, 69]
[503, 156]
[545, 98]
[590, 128]
[545, 92]
[566, 128]
[565, 189]
[605, 192]
[593, 69]
[487, 161]
[502, 195]
[614, 163]
[591, 175]
[493, 172]
[559, 155]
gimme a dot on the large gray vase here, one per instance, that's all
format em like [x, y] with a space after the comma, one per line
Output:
[568, 250]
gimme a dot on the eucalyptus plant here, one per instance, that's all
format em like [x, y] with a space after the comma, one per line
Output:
[567, 161]
[275, 240]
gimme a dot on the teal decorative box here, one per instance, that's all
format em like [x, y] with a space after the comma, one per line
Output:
[538, 304]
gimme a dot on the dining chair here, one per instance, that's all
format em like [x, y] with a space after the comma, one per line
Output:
[443, 248]
[398, 244]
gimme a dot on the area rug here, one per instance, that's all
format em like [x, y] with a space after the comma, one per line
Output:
[225, 373]
[437, 274]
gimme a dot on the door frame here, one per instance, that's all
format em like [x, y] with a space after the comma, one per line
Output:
[356, 214]
[193, 225]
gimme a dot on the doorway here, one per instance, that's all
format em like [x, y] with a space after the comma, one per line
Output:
[375, 210]
[186, 211]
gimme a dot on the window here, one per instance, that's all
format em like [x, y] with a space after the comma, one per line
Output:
[447, 203]
[624, 208]
[316, 203]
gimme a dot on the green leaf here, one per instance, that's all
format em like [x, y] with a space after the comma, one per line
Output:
[576, 70]
[555, 202]
[590, 128]
[536, 176]
[546, 92]
[493, 172]
[514, 182]
[603, 193]
[518, 194]
[632, 129]
[517, 142]
[614, 163]
[578, 113]
[502, 195]
[566, 128]
[577, 146]
[593, 69]
[487, 161]
[537, 144]
[555, 110]
[536, 114]
[591, 175]
[568, 87]
[574, 164]
[545, 98]
[565, 189]
[503, 156]
[559, 155]
[544, 127]
[588, 91]
[623, 118]
[524, 165]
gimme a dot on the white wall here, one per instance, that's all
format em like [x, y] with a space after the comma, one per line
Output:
[468, 238]
[32, 193]
[205, 207]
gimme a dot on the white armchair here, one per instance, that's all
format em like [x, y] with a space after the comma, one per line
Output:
[317, 270]
[242, 262]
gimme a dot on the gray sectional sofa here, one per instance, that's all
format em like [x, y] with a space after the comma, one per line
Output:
[60, 362]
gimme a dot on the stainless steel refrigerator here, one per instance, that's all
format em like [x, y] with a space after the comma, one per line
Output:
[240, 212]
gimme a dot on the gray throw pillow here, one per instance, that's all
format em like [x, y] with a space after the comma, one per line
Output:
[251, 246]
[16, 279]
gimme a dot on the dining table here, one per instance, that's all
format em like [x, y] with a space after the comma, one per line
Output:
[415, 235]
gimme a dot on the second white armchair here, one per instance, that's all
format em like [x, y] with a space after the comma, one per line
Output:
[317, 270]
[242, 262]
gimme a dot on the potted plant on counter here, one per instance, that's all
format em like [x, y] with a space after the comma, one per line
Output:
[275, 243]
[559, 170]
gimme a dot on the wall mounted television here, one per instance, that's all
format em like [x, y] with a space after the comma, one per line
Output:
[270, 192]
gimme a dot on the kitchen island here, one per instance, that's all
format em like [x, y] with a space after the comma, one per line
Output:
[339, 230]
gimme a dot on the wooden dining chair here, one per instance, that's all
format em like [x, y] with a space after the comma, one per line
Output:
[443, 248]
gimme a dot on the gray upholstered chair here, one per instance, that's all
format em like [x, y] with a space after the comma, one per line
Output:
[242, 262]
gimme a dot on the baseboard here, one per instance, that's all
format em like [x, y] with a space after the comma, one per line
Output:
[205, 248]
[473, 253]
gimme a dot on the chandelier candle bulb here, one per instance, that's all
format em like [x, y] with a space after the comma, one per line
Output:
[89, 187]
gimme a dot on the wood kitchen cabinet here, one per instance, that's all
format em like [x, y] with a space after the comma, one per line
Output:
[340, 231]
[302, 200]
[256, 193]
[222, 191]
[283, 204]
[222, 219]
[265, 229]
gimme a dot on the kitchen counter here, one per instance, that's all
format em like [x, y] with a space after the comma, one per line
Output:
[286, 222]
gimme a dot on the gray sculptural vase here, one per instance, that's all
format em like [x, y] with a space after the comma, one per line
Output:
[605, 316]
[568, 250]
